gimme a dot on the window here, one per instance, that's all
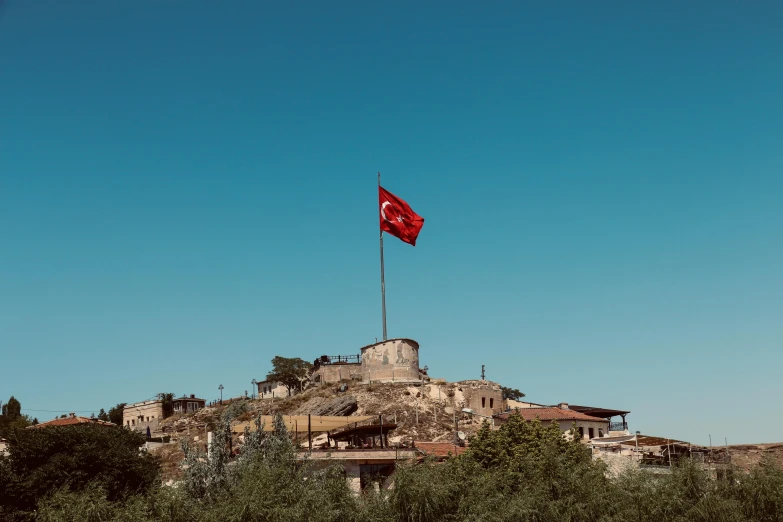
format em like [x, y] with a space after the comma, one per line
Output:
[491, 403]
[581, 432]
[590, 431]
[600, 432]
[483, 402]
[133, 421]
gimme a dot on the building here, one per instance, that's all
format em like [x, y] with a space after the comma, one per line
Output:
[3, 447]
[484, 398]
[394, 360]
[141, 415]
[271, 390]
[359, 444]
[188, 404]
[588, 427]
[71, 420]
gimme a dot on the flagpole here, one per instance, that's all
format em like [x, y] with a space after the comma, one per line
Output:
[383, 284]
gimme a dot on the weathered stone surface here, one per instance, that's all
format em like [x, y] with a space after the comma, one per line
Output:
[337, 407]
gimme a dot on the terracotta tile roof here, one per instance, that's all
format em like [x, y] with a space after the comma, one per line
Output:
[440, 449]
[550, 414]
[70, 421]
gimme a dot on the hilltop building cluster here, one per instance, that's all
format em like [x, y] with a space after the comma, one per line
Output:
[364, 443]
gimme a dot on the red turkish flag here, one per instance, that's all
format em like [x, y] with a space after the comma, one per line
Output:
[398, 218]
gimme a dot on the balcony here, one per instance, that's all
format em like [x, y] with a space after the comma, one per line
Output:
[618, 426]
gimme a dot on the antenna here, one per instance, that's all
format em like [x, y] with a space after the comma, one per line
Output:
[482, 372]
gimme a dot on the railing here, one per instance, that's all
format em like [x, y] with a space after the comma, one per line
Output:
[618, 426]
[341, 359]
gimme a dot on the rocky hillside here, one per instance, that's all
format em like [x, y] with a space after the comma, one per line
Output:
[422, 412]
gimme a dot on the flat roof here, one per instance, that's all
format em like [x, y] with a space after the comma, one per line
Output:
[595, 411]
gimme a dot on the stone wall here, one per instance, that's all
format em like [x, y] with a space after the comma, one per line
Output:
[334, 373]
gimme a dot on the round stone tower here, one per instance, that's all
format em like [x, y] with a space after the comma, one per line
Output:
[395, 360]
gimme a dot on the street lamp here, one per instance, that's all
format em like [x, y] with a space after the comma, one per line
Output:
[471, 412]
[254, 388]
[221, 393]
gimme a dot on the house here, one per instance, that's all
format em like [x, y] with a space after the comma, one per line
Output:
[188, 404]
[3, 447]
[71, 420]
[271, 390]
[589, 427]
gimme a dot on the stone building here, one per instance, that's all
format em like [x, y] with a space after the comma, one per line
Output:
[140, 415]
[394, 360]
[485, 398]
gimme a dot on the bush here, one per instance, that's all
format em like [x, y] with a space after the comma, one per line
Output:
[74, 458]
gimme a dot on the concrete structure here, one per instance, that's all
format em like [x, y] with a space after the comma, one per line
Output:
[395, 360]
[363, 467]
[140, 415]
[588, 427]
[483, 397]
[188, 404]
[71, 420]
[271, 390]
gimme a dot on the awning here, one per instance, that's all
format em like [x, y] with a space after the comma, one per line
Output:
[298, 423]
[636, 440]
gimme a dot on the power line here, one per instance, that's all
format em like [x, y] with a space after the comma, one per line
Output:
[60, 411]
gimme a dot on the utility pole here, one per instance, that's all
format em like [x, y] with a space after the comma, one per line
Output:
[221, 394]
[482, 372]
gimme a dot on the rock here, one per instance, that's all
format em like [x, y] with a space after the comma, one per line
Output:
[341, 406]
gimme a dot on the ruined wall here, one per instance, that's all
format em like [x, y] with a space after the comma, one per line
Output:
[333, 373]
[395, 360]
[483, 397]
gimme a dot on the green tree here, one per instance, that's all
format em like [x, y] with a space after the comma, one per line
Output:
[12, 409]
[291, 372]
[168, 404]
[12, 418]
[102, 415]
[44, 460]
[115, 414]
[511, 393]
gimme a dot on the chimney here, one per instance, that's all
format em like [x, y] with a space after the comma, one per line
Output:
[73, 415]
[563, 405]
[192, 396]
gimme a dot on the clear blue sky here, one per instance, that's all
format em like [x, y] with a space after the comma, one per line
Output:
[188, 188]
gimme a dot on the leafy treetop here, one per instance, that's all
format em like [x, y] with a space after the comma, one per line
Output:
[291, 372]
[511, 393]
